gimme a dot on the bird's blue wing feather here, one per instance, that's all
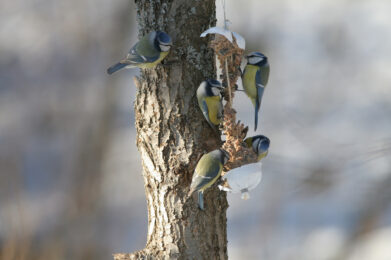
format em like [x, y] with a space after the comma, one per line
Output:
[199, 182]
[134, 57]
[220, 110]
[212, 169]
[260, 89]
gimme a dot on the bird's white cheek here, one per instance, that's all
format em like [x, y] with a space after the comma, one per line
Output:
[165, 48]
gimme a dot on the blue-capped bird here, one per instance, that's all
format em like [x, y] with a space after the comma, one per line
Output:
[255, 77]
[260, 145]
[211, 102]
[207, 171]
[147, 53]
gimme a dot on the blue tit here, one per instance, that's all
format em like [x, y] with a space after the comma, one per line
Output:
[210, 101]
[254, 78]
[146, 53]
[207, 171]
[260, 145]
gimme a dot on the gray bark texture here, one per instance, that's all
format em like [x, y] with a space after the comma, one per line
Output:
[172, 135]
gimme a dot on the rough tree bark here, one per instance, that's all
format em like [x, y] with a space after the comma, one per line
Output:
[172, 135]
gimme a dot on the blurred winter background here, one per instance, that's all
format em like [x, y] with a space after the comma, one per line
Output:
[70, 174]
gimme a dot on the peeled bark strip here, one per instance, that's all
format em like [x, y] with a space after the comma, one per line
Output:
[172, 134]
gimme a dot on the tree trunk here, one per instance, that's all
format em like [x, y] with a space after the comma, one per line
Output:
[172, 134]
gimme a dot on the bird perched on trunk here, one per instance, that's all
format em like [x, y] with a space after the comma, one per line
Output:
[147, 53]
[207, 171]
[260, 145]
[254, 78]
[210, 101]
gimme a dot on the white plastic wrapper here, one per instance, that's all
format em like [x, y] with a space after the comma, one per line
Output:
[227, 34]
[243, 179]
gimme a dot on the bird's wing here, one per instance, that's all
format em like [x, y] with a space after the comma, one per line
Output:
[205, 111]
[258, 78]
[205, 172]
[135, 56]
[260, 85]
[220, 110]
[264, 74]
[260, 88]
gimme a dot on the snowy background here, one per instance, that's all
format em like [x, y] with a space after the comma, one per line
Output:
[70, 174]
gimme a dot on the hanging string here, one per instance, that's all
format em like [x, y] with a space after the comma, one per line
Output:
[225, 17]
[226, 63]
[228, 84]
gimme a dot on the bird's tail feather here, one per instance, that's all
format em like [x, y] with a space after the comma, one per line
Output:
[256, 115]
[258, 101]
[115, 67]
[201, 200]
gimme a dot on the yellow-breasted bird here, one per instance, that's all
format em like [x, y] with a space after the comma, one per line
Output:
[147, 53]
[255, 77]
[210, 101]
[260, 145]
[207, 171]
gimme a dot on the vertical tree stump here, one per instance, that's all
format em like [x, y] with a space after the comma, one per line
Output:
[172, 134]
